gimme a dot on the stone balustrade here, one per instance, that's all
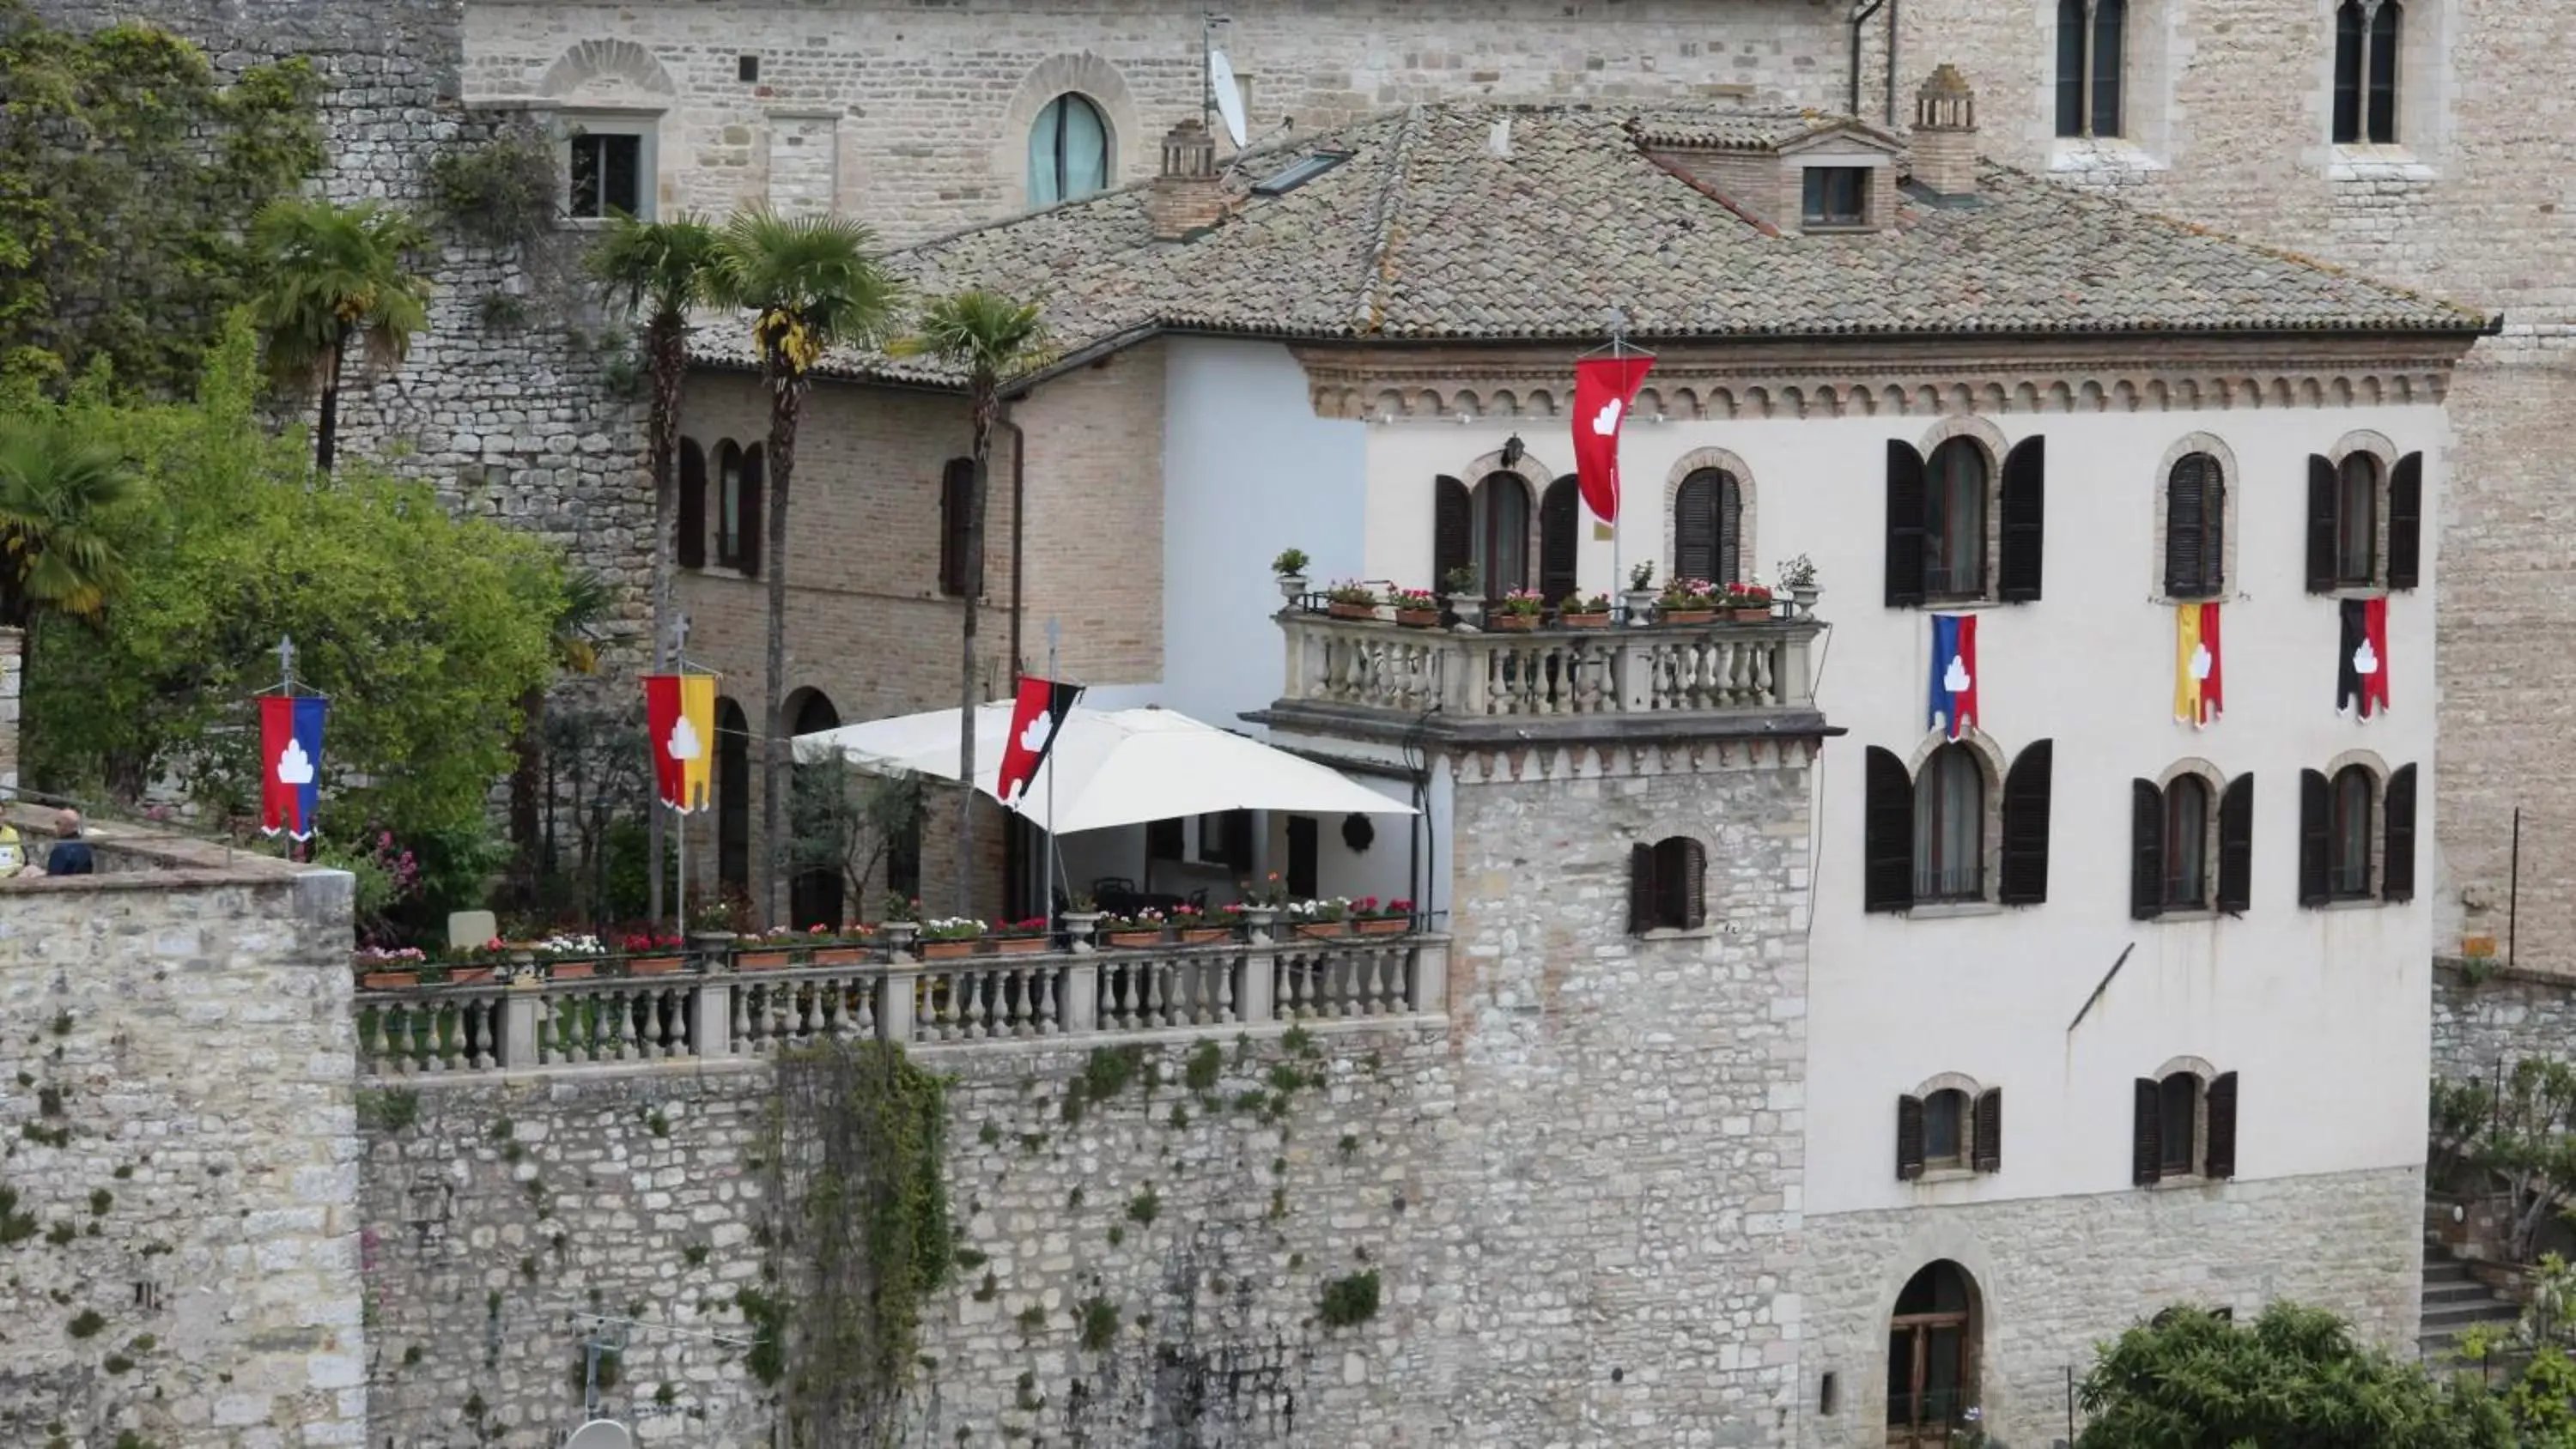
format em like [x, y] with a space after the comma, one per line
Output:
[1657, 672]
[721, 1007]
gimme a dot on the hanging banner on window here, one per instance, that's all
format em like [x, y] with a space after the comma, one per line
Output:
[1603, 389]
[290, 755]
[2199, 679]
[2361, 677]
[680, 720]
[1954, 674]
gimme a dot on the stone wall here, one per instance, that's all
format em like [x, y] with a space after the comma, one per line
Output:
[2054, 1276]
[178, 1234]
[2498, 1017]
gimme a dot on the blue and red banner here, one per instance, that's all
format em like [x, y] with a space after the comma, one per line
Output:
[290, 756]
[1954, 674]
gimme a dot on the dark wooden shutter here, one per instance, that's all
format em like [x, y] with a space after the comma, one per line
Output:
[1302, 837]
[1887, 874]
[2025, 499]
[2146, 850]
[2236, 845]
[2221, 1104]
[1730, 530]
[2397, 865]
[1163, 839]
[1641, 889]
[1905, 512]
[1453, 534]
[1990, 1131]
[2146, 1134]
[1560, 520]
[692, 522]
[2025, 875]
[1238, 840]
[2406, 522]
[956, 500]
[1695, 527]
[1909, 1138]
[2321, 525]
[2186, 512]
[1685, 880]
[755, 508]
[2314, 822]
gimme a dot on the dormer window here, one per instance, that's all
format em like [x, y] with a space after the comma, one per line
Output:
[1836, 196]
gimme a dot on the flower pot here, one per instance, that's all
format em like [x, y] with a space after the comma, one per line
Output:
[1203, 935]
[764, 960]
[1760, 615]
[653, 966]
[1323, 930]
[1418, 618]
[1515, 623]
[1687, 616]
[470, 975]
[1020, 945]
[1468, 609]
[1078, 927]
[840, 955]
[1584, 621]
[1641, 604]
[1292, 587]
[948, 950]
[571, 970]
[1384, 926]
[1128, 940]
[1804, 597]
[388, 980]
[1351, 611]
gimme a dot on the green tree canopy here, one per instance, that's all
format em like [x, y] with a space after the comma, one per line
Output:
[2294, 1379]
[425, 630]
[126, 171]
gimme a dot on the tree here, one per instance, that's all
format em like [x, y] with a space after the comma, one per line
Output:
[846, 821]
[59, 493]
[2527, 1140]
[2294, 1379]
[812, 283]
[126, 166]
[334, 280]
[656, 271]
[991, 339]
[584, 603]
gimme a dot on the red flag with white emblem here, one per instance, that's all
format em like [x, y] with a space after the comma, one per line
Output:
[1036, 719]
[1603, 388]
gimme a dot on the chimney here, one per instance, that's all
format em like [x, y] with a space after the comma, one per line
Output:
[1186, 198]
[1945, 134]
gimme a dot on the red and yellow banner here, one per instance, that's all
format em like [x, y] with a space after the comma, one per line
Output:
[2199, 683]
[680, 720]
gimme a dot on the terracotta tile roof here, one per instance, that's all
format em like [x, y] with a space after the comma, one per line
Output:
[1428, 232]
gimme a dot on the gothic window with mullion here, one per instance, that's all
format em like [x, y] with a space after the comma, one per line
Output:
[2365, 71]
[2091, 66]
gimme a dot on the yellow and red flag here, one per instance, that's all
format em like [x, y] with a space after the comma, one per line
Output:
[2199, 689]
[680, 720]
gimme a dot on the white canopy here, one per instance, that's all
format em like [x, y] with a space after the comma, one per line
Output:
[1110, 767]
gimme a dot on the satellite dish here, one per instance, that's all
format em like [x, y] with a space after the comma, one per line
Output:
[1229, 96]
[600, 1434]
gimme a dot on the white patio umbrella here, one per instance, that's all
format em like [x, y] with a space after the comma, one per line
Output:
[1110, 767]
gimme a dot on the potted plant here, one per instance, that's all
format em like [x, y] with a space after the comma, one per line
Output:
[650, 953]
[1640, 595]
[1688, 601]
[832, 948]
[1372, 919]
[1347, 600]
[1081, 919]
[768, 951]
[949, 937]
[1584, 611]
[1144, 928]
[1321, 918]
[1290, 566]
[1798, 576]
[1416, 608]
[1460, 588]
[568, 957]
[1196, 928]
[898, 921]
[1750, 603]
[1520, 610]
[1021, 938]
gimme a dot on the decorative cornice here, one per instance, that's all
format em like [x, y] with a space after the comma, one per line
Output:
[1516, 763]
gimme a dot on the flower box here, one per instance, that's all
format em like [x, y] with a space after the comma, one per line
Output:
[1418, 618]
[1687, 616]
[1020, 945]
[1756, 615]
[764, 960]
[1513, 623]
[1204, 935]
[388, 980]
[470, 975]
[1584, 621]
[653, 966]
[1352, 611]
[948, 950]
[840, 956]
[1384, 926]
[571, 970]
[1323, 930]
[1131, 939]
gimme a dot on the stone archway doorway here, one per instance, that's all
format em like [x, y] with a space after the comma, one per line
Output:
[1932, 1358]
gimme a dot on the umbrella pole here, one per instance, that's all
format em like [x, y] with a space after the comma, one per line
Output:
[1055, 851]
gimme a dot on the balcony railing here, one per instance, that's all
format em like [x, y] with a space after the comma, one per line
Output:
[1658, 670]
[722, 1008]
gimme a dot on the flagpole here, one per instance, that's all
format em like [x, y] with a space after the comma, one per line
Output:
[1055, 845]
[286, 687]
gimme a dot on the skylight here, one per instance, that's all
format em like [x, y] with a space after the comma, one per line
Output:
[1297, 173]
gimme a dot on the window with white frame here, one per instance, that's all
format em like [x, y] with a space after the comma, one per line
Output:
[609, 166]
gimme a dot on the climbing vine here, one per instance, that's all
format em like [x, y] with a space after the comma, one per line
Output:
[501, 191]
[858, 1162]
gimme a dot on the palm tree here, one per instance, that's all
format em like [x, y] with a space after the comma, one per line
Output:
[335, 280]
[57, 488]
[991, 339]
[655, 271]
[812, 283]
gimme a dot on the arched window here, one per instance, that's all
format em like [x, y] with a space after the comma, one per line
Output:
[2195, 528]
[2178, 1124]
[1667, 886]
[1945, 1132]
[1954, 528]
[2357, 521]
[729, 517]
[2348, 834]
[733, 797]
[2090, 66]
[691, 525]
[1950, 827]
[1068, 151]
[1949, 1129]
[2172, 864]
[2365, 73]
[2186, 844]
[1498, 520]
[1708, 527]
[2183, 1125]
[1931, 1354]
[815, 895]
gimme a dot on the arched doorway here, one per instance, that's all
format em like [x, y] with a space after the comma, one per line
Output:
[1932, 1358]
[814, 894]
[733, 799]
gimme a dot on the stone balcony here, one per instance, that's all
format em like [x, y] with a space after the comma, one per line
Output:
[1374, 680]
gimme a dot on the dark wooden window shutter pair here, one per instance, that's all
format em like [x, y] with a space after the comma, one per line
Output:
[956, 503]
[2397, 851]
[1453, 533]
[2147, 848]
[1708, 524]
[2146, 1141]
[2025, 827]
[692, 522]
[2316, 820]
[1667, 886]
[2405, 523]
[2024, 517]
[2195, 528]
[1986, 1153]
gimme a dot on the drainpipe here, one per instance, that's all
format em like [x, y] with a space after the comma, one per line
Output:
[1891, 63]
[1858, 18]
[1019, 531]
